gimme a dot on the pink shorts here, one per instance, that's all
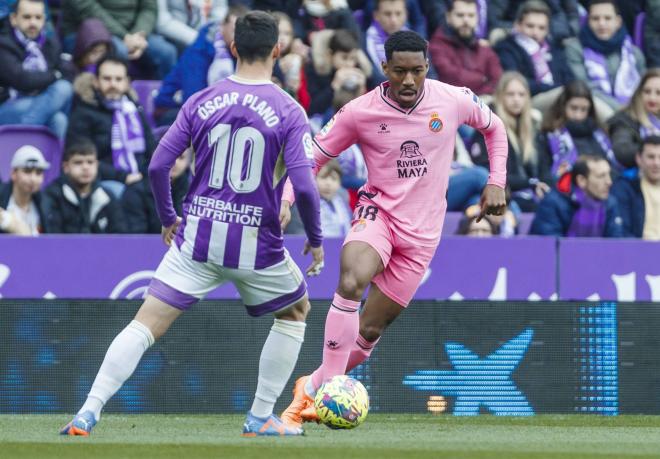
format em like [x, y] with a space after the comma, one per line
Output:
[405, 262]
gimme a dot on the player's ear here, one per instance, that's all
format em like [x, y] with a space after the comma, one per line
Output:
[277, 50]
[233, 50]
[383, 66]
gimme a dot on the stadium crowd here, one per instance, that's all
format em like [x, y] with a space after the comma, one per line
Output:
[575, 83]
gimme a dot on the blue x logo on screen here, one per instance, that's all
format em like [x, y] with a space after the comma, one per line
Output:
[477, 382]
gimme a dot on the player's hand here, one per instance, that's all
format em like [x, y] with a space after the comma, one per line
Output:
[493, 201]
[285, 214]
[169, 232]
[317, 259]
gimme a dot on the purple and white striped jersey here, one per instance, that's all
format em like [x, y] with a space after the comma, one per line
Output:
[246, 137]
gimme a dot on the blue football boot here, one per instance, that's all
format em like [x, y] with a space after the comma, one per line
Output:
[270, 426]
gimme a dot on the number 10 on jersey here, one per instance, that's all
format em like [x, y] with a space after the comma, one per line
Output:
[246, 144]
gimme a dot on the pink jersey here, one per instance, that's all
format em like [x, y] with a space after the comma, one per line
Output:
[409, 152]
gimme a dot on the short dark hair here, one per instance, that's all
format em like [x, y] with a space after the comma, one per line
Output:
[330, 167]
[14, 8]
[581, 166]
[111, 58]
[79, 147]
[343, 40]
[604, 2]
[256, 35]
[650, 140]
[531, 7]
[451, 3]
[403, 41]
[378, 2]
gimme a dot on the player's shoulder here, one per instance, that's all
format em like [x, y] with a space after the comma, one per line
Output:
[290, 107]
[439, 87]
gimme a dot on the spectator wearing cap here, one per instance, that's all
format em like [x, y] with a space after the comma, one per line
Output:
[33, 89]
[77, 202]
[21, 210]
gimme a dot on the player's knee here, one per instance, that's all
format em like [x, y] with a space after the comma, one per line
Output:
[351, 286]
[296, 312]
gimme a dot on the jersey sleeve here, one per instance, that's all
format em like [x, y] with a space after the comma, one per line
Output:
[298, 151]
[337, 135]
[473, 112]
[170, 147]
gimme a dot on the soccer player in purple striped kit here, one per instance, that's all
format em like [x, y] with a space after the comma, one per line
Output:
[247, 135]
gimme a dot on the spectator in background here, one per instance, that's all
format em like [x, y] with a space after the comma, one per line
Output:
[76, 202]
[317, 15]
[652, 33]
[106, 114]
[571, 128]
[131, 24]
[337, 63]
[203, 63]
[335, 215]
[528, 51]
[584, 209]
[138, 200]
[469, 226]
[638, 196]
[33, 88]
[293, 57]
[180, 20]
[416, 12]
[528, 172]
[564, 18]
[458, 55]
[605, 57]
[21, 210]
[638, 120]
[389, 16]
[93, 42]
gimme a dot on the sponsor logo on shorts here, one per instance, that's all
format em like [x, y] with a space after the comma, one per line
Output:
[332, 344]
[435, 124]
[412, 162]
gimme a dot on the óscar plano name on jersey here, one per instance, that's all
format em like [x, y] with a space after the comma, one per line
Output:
[265, 111]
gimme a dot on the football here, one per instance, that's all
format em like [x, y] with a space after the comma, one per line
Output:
[342, 403]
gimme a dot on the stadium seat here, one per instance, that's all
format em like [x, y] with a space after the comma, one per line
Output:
[147, 91]
[638, 32]
[14, 136]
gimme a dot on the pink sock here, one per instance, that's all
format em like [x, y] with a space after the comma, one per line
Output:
[341, 330]
[360, 352]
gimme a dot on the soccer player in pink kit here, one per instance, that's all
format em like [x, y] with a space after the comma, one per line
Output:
[247, 135]
[406, 129]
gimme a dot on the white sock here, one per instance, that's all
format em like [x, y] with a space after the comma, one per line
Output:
[309, 388]
[278, 358]
[119, 363]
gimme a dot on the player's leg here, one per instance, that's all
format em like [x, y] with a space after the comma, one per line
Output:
[164, 303]
[279, 289]
[359, 263]
[389, 295]
[378, 312]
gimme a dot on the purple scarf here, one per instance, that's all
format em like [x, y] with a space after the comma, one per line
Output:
[127, 135]
[223, 62]
[375, 43]
[654, 129]
[626, 79]
[589, 218]
[482, 25]
[540, 55]
[563, 148]
[34, 59]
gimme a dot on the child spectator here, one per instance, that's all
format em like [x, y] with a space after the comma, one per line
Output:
[335, 214]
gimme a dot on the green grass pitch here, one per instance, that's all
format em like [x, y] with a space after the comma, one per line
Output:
[381, 436]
